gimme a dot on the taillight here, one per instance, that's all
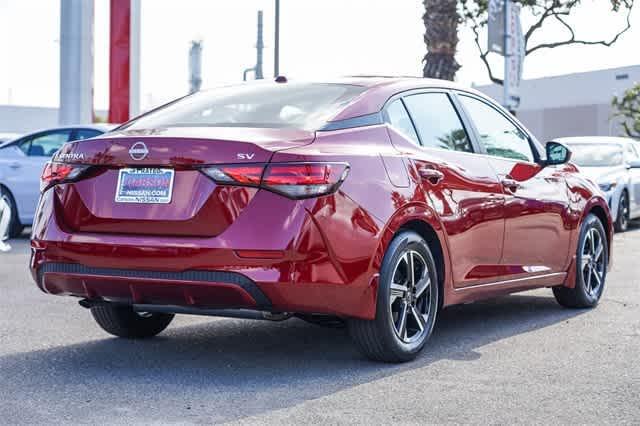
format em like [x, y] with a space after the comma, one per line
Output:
[236, 174]
[294, 180]
[55, 173]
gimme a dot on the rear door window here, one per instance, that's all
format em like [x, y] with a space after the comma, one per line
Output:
[400, 120]
[438, 123]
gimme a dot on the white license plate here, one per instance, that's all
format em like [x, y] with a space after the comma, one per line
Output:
[145, 186]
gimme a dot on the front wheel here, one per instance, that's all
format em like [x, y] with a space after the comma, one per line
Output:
[591, 267]
[622, 221]
[123, 321]
[407, 303]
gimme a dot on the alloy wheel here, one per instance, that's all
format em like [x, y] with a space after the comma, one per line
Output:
[409, 299]
[624, 212]
[593, 262]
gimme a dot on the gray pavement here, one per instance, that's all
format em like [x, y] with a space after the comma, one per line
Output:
[517, 359]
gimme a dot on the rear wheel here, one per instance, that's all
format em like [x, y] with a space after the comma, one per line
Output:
[591, 267]
[15, 227]
[123, 321]
[407, 303]
[622, 221]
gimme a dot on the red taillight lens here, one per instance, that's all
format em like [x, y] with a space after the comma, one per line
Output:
[55, 173]
[249, 175]
[304, 180]
[294, 180]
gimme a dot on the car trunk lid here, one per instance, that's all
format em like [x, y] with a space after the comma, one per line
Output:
[196, 207]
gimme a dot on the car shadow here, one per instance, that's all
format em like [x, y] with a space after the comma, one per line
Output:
[225, 370]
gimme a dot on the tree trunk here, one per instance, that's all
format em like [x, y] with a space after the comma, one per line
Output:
[441, 37]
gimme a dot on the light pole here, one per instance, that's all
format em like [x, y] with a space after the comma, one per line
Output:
[276, 48]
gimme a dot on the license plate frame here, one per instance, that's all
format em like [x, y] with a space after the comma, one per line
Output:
[155, 185]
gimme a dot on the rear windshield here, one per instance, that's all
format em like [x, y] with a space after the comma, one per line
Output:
[596, 154]
[278, 105]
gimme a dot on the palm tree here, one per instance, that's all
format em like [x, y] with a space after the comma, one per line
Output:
[441, 20]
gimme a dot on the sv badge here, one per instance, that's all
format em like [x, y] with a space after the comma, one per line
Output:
[243, 156]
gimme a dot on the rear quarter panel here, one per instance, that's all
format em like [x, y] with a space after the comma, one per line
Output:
[358, 223]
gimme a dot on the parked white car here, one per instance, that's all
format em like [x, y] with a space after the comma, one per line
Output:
[614, 164]
[21, 164]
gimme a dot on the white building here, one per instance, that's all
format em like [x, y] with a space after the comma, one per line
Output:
[573, 104]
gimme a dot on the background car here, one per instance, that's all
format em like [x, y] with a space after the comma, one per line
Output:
[374, 201]
[22, 161]
[613, 164]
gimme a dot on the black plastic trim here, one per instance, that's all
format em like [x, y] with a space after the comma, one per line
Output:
[225, 277]
[349, 123]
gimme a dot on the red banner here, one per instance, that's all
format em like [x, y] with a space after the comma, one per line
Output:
[119, 52]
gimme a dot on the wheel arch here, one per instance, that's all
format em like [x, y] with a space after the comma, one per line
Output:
[599, 207]
[422, 220]
[604, 218]
[427, 232]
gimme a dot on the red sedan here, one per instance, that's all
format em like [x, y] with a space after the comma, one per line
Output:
[373, 202]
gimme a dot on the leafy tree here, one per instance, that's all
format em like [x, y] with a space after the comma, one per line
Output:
[474, 14]
[442, 18]
[627, 107]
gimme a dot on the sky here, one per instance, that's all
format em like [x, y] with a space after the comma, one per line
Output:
[319, 39]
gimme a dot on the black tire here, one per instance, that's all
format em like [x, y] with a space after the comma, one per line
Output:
[15, 227]
[123, 321]
[588, 289]
[622, 220]
[379, 339]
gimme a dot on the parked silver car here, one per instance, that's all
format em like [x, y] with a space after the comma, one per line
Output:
[614, 164]
[21, 164]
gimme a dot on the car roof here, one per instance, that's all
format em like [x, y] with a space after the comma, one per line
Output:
[381, 88]
[595, 139]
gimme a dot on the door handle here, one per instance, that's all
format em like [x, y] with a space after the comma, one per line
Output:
[510, 185]
[15, 166]
[432, 175]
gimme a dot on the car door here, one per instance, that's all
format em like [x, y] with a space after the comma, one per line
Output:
[537, 231]
[458, 184]
[24, 179]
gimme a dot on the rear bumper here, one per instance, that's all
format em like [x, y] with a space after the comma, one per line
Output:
[282, 262]
[212, 289]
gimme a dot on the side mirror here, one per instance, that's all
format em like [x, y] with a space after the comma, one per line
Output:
[635, 164]
[557, 153]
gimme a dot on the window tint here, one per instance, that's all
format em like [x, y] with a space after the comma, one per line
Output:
[276, 105]
[498, 135]
[399, 118]
[24, 146]
[81, 134]
[47, 144]
[437, 122]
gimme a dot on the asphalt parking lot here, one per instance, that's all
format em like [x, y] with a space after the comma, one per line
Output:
[518, 359]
